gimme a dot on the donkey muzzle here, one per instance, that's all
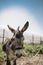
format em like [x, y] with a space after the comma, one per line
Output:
[19, 53]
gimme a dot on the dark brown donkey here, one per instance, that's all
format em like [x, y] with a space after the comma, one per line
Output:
[13, 47]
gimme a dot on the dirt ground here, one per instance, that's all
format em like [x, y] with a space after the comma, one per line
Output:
[35, 60]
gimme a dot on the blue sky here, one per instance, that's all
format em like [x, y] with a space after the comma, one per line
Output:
[33, 6]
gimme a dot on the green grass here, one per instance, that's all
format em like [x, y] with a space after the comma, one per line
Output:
[2, 54]
[30, 49]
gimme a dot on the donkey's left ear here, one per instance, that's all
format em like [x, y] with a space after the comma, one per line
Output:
[11, 29]
[25, 27]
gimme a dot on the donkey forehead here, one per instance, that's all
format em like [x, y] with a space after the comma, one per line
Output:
[18, 32]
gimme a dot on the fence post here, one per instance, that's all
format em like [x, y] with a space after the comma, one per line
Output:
[32, 39]
[3, 36]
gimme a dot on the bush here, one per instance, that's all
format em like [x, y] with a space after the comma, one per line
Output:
[2, 54]
[30, 49]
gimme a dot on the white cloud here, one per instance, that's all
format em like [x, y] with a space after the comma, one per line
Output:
[17, 17]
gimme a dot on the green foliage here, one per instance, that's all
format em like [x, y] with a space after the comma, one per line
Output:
[30, 50]
[2, 54]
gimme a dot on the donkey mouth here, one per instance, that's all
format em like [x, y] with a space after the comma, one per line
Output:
[18, 55]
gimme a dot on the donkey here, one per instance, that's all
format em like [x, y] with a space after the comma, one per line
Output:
[13, 47]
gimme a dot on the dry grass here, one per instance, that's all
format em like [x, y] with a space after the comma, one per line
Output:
[36, 60]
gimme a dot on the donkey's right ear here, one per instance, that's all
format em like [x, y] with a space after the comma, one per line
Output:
[11, 29]
[25, 27]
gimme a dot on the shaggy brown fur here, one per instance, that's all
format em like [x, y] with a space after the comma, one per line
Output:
[13, 46]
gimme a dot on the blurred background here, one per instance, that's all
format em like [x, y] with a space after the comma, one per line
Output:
[16, 12]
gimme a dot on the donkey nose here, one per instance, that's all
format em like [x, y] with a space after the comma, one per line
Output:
[18, 55]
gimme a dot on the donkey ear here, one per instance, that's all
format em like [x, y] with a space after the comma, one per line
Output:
[25, 27]
[11, 29]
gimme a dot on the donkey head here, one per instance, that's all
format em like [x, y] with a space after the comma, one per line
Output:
[18, 38]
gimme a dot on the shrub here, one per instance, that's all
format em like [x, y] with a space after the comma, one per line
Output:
[30, 49]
